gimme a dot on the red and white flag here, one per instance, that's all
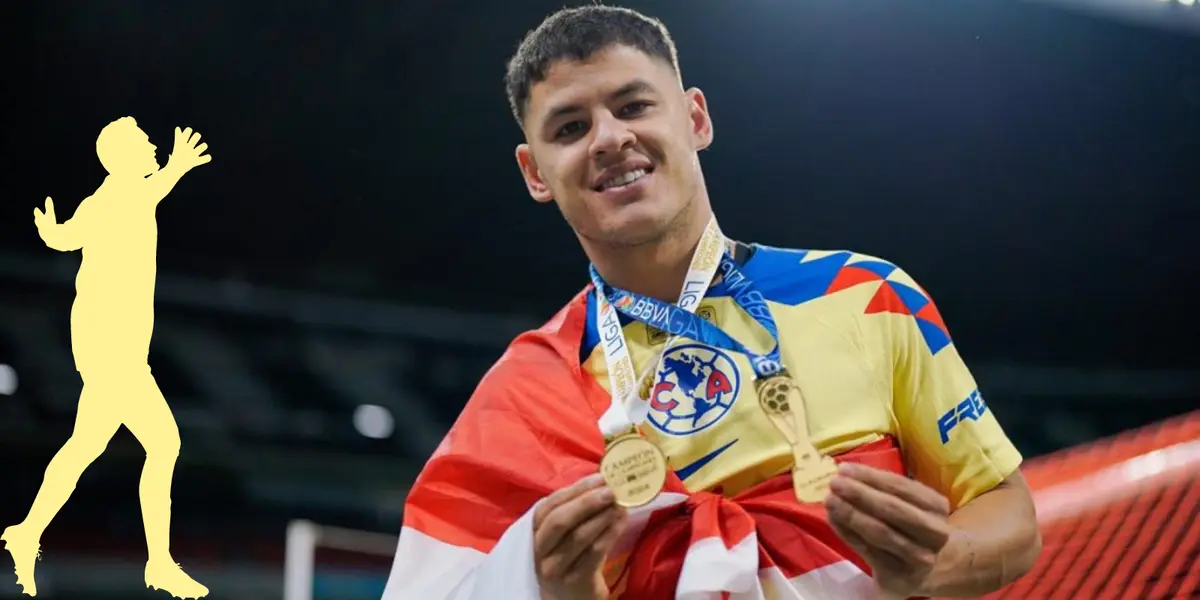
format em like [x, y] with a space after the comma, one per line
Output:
[529, 430]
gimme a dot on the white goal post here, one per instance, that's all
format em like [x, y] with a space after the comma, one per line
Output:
[303, 539]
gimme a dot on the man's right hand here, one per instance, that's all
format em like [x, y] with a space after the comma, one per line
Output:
[573, 532]
[188, 152]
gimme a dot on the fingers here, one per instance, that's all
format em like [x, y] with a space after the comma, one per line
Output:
[37, 212]
[872, 537]
[877, 556]
[897, 485]
[580, 552]
[929, 530]
[592, 557]
[563, 495]
[837, 521]
[187, 136]
[880, 560]
[564, 519]
[189, 149]
[201, 157]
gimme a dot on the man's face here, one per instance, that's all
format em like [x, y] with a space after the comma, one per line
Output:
[613, 140]
[143, 152]
[130, 151]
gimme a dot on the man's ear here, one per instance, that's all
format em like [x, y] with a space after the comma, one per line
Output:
[533, 177]
[701, 121]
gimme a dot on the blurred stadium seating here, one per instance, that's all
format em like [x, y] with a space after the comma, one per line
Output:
[265, 393]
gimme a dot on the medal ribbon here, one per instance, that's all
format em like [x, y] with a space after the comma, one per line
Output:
[628, 409]
[678, 322]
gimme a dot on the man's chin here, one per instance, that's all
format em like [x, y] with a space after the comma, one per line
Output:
[637, 232]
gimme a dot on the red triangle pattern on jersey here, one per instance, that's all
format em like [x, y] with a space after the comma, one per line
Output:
[930, 313]
[850, 276]
[886, 300]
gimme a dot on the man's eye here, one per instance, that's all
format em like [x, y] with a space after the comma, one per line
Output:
[634, 108]
[569, 129]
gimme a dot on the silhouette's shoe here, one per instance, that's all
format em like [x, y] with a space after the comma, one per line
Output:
[25, 551]
[169, 578]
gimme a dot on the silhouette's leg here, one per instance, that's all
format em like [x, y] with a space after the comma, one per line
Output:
[151, 421]
[94, 427]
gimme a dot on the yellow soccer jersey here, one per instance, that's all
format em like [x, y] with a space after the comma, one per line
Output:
[870, 353]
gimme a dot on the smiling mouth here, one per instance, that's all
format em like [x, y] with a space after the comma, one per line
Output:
[624, 179]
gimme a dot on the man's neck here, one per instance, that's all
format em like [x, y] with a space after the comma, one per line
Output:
[656, 270]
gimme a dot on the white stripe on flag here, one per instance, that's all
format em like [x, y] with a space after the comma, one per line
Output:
[426, 568]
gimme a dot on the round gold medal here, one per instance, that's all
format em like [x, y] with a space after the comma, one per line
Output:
[634, 469]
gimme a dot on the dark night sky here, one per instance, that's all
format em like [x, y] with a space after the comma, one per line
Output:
[1037, 170]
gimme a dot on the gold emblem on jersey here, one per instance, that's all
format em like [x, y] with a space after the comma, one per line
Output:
[647, 386]
[655, 336]
[783, 403]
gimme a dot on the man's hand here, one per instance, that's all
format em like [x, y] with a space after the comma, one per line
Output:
[188, 152]
[573, 531]
[45, 220]
[895, 524]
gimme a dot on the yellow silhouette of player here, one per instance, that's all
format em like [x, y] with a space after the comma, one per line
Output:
[111, 324]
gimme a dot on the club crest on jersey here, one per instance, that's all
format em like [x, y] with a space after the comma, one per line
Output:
[695, 387]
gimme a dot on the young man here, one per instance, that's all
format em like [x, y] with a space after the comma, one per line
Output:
[929, 500]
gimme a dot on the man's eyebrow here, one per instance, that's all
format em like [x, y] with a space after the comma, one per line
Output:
[637, 86]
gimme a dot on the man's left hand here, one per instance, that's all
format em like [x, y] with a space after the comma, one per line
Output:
[45, 220]
[895, 524]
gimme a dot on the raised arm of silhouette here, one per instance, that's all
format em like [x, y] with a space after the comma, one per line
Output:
[64, 237]
[187, 154]
[112, 320]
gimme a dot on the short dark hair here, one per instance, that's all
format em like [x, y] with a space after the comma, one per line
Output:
[577, 34]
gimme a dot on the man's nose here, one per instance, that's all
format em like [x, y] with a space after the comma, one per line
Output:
[611, 135]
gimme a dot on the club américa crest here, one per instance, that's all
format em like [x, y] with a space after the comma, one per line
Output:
[694, 388]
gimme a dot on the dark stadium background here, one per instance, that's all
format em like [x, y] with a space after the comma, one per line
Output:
[363, 237]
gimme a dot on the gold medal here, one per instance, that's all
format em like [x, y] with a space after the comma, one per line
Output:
[783, 403]
[634, 469]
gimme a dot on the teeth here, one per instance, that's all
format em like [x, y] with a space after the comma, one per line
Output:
[625, 179]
